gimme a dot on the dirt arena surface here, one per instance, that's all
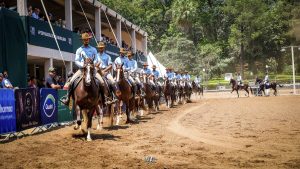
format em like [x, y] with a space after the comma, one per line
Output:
[255, 132]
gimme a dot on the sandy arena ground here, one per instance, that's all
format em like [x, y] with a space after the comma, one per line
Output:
[255, 132]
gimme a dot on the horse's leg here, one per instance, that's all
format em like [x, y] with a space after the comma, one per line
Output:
[100, 117]
[85, 121]
[275, 91]
[246, 89]
[89, 124]
[237, 91]
[119, 106]
[78, 120]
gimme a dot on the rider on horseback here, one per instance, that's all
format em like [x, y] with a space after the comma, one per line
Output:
[239, 80]
[105, 67]
[197, 81]
[156, 75]
[131, 69]
[148, 72]
[187, 78]
[84, 53]
[170, 76]
[266, 80]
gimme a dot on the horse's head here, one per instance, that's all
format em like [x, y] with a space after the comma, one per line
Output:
[232, 81]
[120, 72]
[257, 80]
[88, 71]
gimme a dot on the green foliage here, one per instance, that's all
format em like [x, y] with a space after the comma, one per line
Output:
[216, 35]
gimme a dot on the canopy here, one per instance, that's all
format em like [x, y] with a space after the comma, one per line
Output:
[151, 60]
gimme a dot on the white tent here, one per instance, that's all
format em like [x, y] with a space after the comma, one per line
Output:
[151, 60]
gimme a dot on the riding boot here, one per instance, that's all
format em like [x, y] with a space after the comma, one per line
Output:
[66, 101]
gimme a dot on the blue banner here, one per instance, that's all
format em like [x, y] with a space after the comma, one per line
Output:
[7, 111]
[27, 103]
[48, 106]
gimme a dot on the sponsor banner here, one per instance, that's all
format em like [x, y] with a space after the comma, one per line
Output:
[64, 112]
[27, 108]
[7, 111]
[39, 34]
[48, 106]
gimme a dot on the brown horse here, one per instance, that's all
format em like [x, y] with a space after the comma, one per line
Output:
[187, 91]
[169, 92]
[236, 87]
[126, 95]
[151, 96]
[197, 89]
[86, 96]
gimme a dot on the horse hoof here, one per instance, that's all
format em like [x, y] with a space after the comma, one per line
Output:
[89, 139]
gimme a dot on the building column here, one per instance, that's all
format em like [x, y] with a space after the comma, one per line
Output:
[98, 23]
[133, 43]
[22, 7]
[47, 65]
[119, 32]
[69, 67]
[145, 49]
[68, 14]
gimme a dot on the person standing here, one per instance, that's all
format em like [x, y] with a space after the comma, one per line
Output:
[51, 80]
[5, 83]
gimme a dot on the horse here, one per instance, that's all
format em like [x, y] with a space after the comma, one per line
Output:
[197, 89]
[180, 92]
[169, 93]
[87, 97]
[151, 96]
[236, 87]
[109, 90]
[126, 96]
[187, 92]
[262, 86]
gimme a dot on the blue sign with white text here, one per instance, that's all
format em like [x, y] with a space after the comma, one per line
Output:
[7, 111]
[48, 106]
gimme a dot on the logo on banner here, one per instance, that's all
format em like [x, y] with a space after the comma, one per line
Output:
[49, 105]
[70, 41]
[28, 104]
[32, 30]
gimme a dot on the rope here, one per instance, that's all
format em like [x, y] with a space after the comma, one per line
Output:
[53, 32]
[87, 21]
[112, 29]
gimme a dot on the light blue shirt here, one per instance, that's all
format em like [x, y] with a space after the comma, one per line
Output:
[155, 73]
[83, 52]
[121, 60]
[146, 71]
[178, 77]
[170, 75]
[5, 82]
[34, 15]
[105, 60]
[131, 65]
[187, 77]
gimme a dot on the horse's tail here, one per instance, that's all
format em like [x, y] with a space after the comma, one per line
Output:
[280, 85]
[251, 90]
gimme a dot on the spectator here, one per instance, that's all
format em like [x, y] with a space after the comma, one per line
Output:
[31, 83]
[5, 83]
[2, 4]
[51, 81]
[30, 10]
[36, 13]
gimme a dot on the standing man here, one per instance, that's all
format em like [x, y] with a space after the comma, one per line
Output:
[51, 81]
[84, 53]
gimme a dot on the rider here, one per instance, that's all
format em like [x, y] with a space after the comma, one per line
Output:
[197, 81]
[156, 75]
[266, 80]
[187, 78]
[122, 59]
[105, 67]
[85, 53]
[239, 79]
[131, 68]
